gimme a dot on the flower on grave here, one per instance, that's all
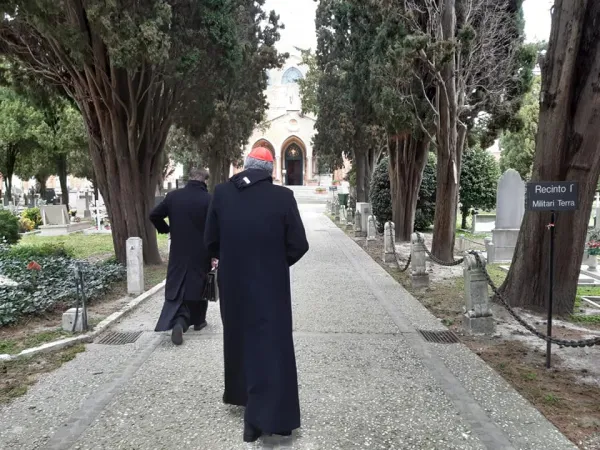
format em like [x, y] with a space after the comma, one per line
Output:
[34, 266]
[593, 248]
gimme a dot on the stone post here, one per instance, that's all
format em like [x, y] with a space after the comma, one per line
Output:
[68, 320]
[358, 230]
[350, 221]
[328, 206]
[460, 243]
[87, 213]
[371, 230]
[418, 263]
[135, 266]
[478, 312]
[336, 211]
[490, 250]
[343, 216]
[389, 242]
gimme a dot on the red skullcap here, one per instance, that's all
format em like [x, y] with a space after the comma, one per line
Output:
[261, 154]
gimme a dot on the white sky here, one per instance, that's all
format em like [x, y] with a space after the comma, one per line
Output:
[299, 19]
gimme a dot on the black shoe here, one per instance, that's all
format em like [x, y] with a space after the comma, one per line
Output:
[284, 433]
[202, 326]
[177, 334]
[251, 433]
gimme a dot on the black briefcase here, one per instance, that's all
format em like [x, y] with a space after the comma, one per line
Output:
[211, 290]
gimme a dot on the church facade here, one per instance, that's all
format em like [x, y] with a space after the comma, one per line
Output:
[288, 133]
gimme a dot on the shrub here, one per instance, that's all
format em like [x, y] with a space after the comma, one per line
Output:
[42, 290]
[25, 225]
[33, 214]
[425, 213]
[48, 249]
[380, 195]
[381, 199]
[9, 227]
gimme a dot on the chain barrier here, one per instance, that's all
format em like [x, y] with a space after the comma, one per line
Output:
[396, 256]
[561, 342]
[435, 259]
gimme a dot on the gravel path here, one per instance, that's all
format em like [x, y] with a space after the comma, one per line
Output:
[368, 380]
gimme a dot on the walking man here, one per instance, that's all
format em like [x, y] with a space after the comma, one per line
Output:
[189, 261]
[255, 229]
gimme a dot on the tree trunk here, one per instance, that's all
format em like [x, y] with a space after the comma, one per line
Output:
[450, 140]
[11, 163]
[362, 179]
[464, 212]
[407, 161]
[218, 168]
[566, 150]
[62, 171]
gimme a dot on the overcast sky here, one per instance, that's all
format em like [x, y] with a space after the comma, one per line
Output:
[299, 19]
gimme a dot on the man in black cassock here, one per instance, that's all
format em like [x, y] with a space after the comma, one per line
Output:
[255, 229]
[189, 261]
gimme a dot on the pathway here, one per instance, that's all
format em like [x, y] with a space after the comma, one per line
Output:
[367, 378]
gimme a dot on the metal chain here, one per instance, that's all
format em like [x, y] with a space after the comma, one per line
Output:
[561, 342]
[437, 260]
[397, 257]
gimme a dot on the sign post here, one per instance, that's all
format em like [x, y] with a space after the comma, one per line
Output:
[543, 197]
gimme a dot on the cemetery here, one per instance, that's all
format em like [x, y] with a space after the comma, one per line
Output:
[444, 159]
[460, 297]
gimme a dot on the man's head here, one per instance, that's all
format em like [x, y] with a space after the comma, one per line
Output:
[198, 174]
[260, 158]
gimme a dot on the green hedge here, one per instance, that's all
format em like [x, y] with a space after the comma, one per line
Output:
[9, 227]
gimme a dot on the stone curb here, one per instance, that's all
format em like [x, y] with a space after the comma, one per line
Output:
[90, 336]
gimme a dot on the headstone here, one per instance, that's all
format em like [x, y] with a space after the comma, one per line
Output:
[68, 319]
[343, 216]
[389, 243]
[55, 215]
[87, 213]
[478, 312]
[336, 211]
[350, 220]
[510, 208]
[358, 229]
[489, 248]
[418, 263]
[365, 212]
[135, 266]
[371, 229]
[328, 205]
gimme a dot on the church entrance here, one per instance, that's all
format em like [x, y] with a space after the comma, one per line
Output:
[294, 163]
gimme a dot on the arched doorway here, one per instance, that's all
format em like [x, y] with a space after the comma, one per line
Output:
[294, 165]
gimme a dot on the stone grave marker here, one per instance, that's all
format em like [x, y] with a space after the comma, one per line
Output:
[510, 209]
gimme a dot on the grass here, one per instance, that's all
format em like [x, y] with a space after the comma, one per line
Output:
[84, 246]
[14, 346]
[17, 376]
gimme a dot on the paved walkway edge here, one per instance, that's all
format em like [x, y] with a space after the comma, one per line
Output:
[88, 337]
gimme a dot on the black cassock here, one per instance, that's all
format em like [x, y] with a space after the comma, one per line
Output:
[189, 261]
[256, 230]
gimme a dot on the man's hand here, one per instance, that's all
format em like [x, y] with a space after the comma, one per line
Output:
[215, 263]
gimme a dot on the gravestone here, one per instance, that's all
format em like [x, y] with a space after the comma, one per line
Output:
[350, 220]
[419, 277]
[371, 229]
[389, 243]
[478, 311]
[358, 229]
[87, 213]
[510, 209]
[56, 221]
[343, 216]
[365, 212]
[135, 266]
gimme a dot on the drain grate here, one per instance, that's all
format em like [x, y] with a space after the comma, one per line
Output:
[439, 337]
[115, 338]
